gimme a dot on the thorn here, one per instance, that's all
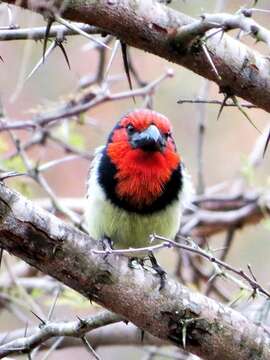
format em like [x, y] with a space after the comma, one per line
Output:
[90, 349]
[25, 330]
[266, 144]
[226, 97]
[61, 46]
[142, 335]
[240, 108]
[72, 26]
[184, 334]
[54, 303]
[46, 37]
[208, 57]
[43, 322]
[126, 65]
[1, 256]
[37, 66]
[114, 51]
[251, 272]
[83, 322]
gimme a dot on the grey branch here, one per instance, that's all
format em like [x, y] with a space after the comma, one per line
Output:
[241, 20]
[38, 33]
[213, 214]
[156, 28]
[52, 329]
[213, 331]
[117, 333]
[75, 107]
[213, 102]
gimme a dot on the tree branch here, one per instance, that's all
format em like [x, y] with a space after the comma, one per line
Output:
[156, 28]
[175, 313]
[49, 329]
[38, 33]
[213, 214]
[110, 335]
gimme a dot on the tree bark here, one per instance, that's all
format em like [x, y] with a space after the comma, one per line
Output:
[155, 28]
[204, 327]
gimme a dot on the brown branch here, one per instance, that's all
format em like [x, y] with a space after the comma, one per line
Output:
[157, 29]
[44, 241]
[75, 107]
[212, 215]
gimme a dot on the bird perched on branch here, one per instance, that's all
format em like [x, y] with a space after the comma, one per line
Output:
[137, 183]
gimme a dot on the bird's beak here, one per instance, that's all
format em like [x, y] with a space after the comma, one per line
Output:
[149, 140]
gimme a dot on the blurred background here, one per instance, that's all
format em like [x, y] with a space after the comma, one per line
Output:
[228, 142]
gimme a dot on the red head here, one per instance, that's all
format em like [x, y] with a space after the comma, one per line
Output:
[143, 152]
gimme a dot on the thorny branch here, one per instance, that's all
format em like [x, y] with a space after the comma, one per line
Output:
[213, 102]
[38, 33]
[241, 71]
[118, 333]
[86, 102]
[193, 248]
[67, 254]
[50, 329]
[195, 45]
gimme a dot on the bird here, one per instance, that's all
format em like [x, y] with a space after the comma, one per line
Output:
[137, 184]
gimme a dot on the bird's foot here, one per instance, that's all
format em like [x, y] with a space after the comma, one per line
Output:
[107, 245]
[161, 273]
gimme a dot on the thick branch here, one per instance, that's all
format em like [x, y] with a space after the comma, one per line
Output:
[156, 28]
[212, 331]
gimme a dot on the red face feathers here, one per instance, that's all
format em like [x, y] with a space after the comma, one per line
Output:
[142, 159]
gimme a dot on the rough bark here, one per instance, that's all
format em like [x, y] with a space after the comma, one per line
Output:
[210, 330]
[155, 28]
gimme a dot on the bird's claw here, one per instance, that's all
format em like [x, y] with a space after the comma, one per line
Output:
[160, 272]
[107, 246]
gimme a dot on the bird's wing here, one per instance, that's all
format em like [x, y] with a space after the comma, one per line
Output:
[188, 190]
[94, 165]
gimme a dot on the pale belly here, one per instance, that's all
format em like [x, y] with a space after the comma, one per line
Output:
[128, 229]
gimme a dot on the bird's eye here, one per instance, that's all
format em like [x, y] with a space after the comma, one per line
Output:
[168, 134]
[130, 129]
